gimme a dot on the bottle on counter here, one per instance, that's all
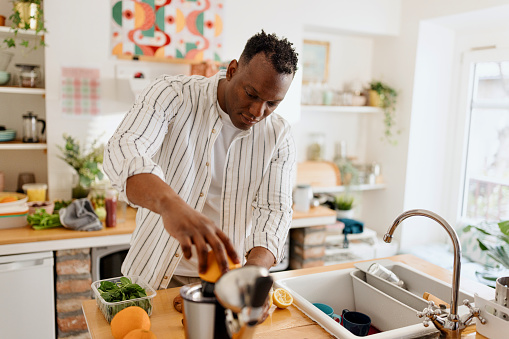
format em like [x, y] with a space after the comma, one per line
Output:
[111, 207]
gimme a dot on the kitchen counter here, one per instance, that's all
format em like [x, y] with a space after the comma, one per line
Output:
[287, 323]
[26, 240]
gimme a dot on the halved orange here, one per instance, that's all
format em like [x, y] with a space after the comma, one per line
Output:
[213, 273]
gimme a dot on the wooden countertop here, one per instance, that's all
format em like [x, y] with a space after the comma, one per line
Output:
[288, 323]
[27, 234]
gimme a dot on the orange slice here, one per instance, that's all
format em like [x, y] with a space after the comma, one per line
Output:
[213, 273]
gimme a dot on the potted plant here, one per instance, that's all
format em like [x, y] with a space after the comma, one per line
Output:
[27, 15]
[495, 243]
[343, 205]
[85, 163]
[383, 96]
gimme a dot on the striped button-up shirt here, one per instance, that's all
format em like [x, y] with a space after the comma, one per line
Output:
[170, 132]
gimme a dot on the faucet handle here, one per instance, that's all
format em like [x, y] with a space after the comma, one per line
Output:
[474, 312]
[429, 313]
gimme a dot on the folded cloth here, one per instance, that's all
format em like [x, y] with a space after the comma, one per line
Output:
[80, 216]
[352, 226]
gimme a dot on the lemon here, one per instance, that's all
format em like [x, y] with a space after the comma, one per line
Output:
[271, 293]
[282, 298]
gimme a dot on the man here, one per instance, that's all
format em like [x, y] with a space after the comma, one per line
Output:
[208, 165]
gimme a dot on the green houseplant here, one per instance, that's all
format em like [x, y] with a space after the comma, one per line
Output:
[385, 98]
[494, 241]
[87, 163]
[27, 15]
[343, 204]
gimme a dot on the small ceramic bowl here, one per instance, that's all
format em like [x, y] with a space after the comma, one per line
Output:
[4, 77]
[49, 206]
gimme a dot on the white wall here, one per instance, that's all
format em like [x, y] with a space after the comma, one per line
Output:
[80, 38]
[402, 61]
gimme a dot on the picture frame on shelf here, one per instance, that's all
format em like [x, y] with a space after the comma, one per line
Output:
[315, 61]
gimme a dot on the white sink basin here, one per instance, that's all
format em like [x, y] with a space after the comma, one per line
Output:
[392, 310]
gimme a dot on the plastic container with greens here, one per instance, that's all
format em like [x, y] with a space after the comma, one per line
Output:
[115, 294]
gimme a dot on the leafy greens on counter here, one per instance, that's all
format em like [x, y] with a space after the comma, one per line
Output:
[41, 220]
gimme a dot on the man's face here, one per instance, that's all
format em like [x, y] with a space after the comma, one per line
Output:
[254, 91]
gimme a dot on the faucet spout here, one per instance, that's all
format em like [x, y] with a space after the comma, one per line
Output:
[453, 316]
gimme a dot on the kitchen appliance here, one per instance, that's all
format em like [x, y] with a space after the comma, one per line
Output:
[233, 310]
[106, 261]
[25, 311]
[28, 75]
[30, 133]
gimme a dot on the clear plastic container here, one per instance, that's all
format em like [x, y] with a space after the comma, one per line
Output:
[109, 309]
[35, 192]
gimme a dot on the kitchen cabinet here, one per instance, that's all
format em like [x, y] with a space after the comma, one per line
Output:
[16, 102]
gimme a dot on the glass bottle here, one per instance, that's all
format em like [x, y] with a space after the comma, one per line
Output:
[346, 168]
[111, 207]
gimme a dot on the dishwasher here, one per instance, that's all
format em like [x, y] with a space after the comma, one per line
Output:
[27, 296]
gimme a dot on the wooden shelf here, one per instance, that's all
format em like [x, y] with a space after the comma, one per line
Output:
[22, 90]
[21, 32]
[339, 189]
[340, 109]
[19, 145]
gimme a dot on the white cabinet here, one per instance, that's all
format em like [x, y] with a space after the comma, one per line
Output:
[28, 305]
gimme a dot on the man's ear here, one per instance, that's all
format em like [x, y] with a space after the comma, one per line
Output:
[232, 68]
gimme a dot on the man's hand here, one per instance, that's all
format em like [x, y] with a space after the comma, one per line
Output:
[181, 221]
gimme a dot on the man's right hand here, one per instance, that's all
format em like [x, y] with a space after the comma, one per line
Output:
[188, 226]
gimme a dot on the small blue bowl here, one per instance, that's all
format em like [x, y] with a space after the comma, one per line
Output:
[4, 77]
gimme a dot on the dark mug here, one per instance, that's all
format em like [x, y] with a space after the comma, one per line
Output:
[356, 322]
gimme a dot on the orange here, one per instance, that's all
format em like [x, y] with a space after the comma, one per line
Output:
[282, 298]
[213, 273]
[8, 199]
[130, 318]
[140, 334]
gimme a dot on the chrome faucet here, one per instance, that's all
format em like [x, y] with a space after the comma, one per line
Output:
[449, 324]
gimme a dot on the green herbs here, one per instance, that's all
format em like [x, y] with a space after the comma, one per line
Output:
[124, 290]
[343, 202]
[118, 295]
[59, 204]
[41, 220]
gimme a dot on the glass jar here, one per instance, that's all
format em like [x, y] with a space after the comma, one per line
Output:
[316, 149]
[97, 197]
[111, 207]
[28, 75]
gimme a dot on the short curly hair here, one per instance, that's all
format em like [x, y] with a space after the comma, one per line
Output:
[280, 52]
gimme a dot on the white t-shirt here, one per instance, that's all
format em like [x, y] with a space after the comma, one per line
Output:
[189, 268]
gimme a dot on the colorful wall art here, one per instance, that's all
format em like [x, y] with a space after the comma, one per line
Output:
[182, 29]
[81, 91]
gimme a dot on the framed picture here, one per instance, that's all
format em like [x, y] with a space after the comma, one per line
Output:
[315, 61]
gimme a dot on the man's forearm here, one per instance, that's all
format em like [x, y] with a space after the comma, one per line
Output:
[260, 256]
[149, 191]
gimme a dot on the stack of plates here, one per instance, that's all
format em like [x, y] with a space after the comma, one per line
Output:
[7, 135]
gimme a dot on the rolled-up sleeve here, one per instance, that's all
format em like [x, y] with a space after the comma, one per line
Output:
[272, 209]
[140, 134]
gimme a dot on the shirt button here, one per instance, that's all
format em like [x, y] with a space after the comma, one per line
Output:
[213, 130]
[201, 194]
[165, 277]
[177, 255]
[207, 164]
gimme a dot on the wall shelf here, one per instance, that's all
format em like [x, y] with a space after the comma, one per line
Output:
[339, 189]
[5, 30]
[340, 109]
[22, 90]
[19, 145]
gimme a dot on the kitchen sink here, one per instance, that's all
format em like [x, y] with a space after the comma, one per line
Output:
[393, 310]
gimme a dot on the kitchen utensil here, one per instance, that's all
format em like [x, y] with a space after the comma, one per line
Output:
[29, 75]
[30, 133]
[384, 273]
[204, 317]
[35, 192]
[302, 198]
[7, 135]
[501, 295]
[25, 178]
[356, 322]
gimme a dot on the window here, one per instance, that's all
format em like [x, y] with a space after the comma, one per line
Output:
[486, 180]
